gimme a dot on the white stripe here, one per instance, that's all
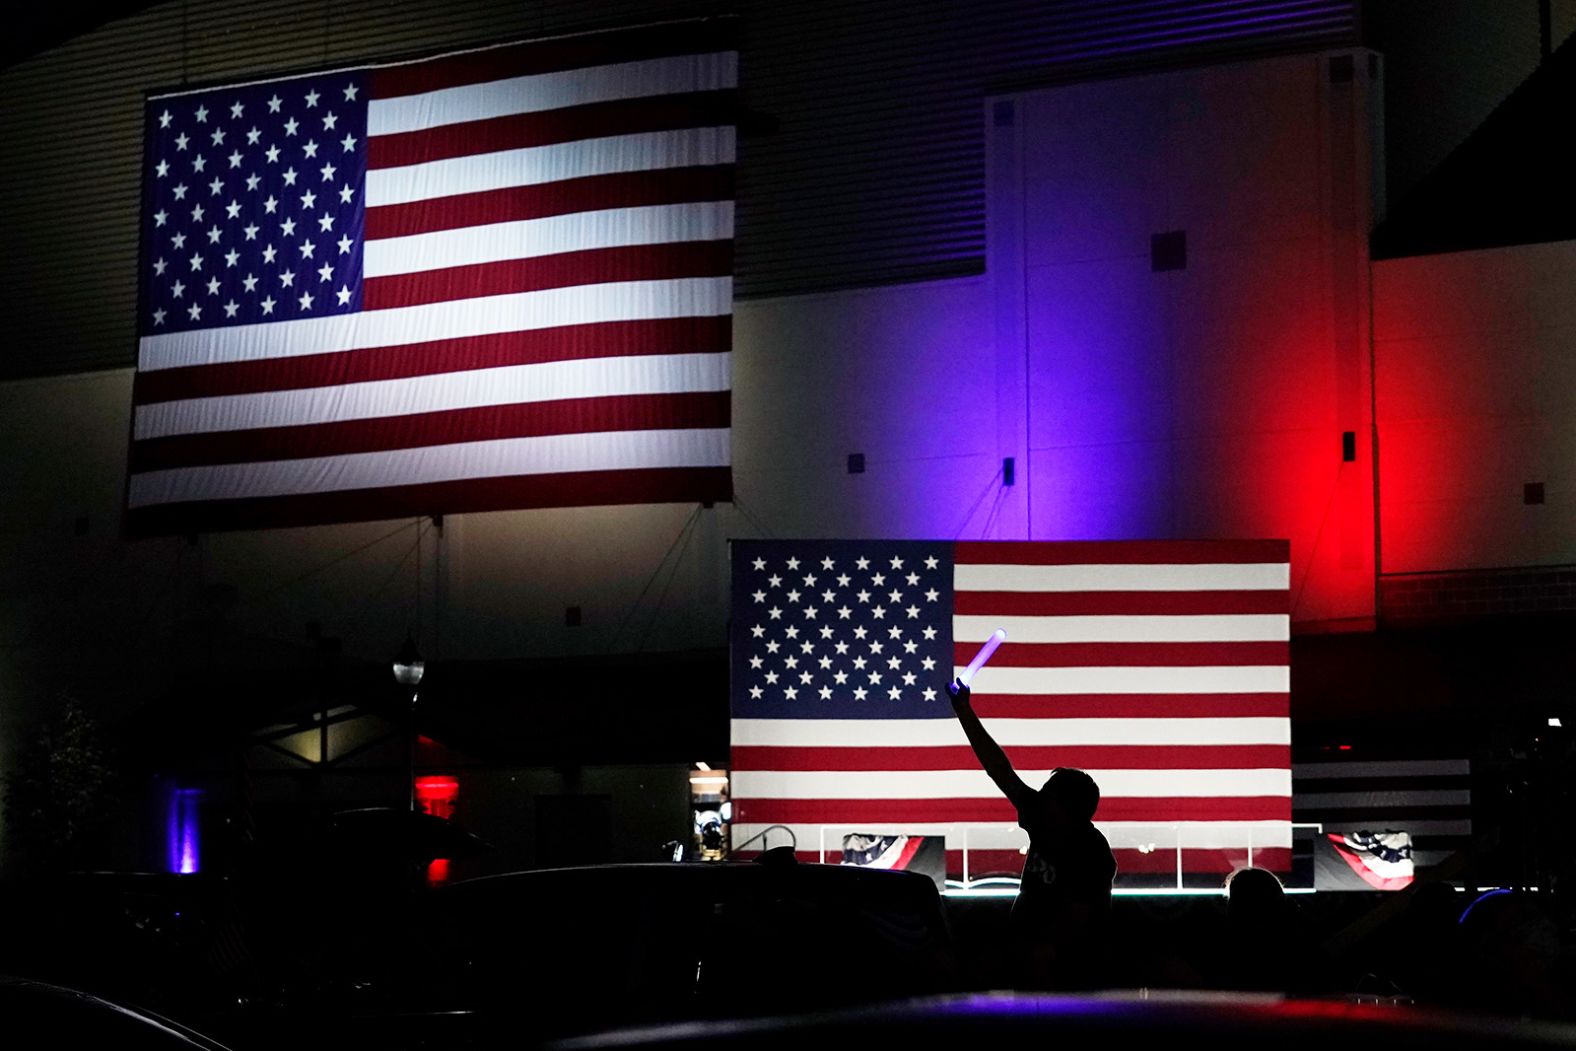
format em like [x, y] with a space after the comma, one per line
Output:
[491, 315]
[1226, 576]
[1004, 836]
[1383, 768]
[976, 784]
[1245, 678]
[470, 389]
[923, 733]
[552, 454]
[1377, 802]
[1233, 627]
[533, 165]
[545, 91]
[529, 238]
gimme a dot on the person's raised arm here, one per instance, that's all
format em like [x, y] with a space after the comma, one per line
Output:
[989, 753]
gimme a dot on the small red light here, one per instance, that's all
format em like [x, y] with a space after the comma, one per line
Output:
[1343, 747]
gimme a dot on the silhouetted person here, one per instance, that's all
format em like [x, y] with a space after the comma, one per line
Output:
[1060, 916]
[1263, 947]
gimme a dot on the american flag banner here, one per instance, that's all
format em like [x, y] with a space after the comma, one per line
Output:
[492, 279]
[1160, 667]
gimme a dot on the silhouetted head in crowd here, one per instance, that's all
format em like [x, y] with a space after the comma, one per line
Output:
[1254, 894]
[1069, 796]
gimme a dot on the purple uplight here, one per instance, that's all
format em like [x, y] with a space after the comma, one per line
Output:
[181, 831]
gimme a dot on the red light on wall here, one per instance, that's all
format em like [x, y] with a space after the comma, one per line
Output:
[436, 794]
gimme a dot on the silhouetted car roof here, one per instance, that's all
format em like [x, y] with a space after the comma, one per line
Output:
[38, 1014]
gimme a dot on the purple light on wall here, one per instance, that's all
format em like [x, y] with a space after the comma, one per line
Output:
[181, 831]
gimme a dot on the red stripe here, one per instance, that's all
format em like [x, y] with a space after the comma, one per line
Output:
[1025, 757]
[1119, 552]
[561, 270]
[1112, 808]
[1117, 603]
[548, 56]
[1129, 861]
[906, 855]
[1128, 654]
[514, 131]
[590, 193]
[684, 335]
[582, 489]
[1132, 705]
[569, 416]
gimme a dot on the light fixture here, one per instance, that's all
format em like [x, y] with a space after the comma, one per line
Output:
[408, 665]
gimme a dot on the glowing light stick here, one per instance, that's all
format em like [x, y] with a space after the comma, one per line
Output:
[997, 637]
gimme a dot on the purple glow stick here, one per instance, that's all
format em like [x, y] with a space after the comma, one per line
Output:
[997, 637]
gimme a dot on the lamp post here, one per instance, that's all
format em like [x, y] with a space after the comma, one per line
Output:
[408, 670]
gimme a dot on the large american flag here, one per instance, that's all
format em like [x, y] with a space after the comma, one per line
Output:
[1160, 667]
[491, 279]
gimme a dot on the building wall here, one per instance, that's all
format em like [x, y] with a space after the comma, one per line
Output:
[1476, 379]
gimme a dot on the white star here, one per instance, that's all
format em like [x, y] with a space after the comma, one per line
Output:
[759, 564]
[202, 114]
[791, 662]
[272, 153]
[230, 258]
[909, 678]
[215, 188]
[350, 92]
[252, 180]
[158, 266]
[862, 595]
[809, 612]
[287, 228]
[195, 311]
[878, 613]
[912, 612]
[809, 580]
[895, 632]
[328, 171]
[163, 168]
[235, 158]
[859, 663]
[840, 677]
[805, 677]
[828, 595]
[792, 693]
[841, 647]
[930, 694]
[346, 193]
[199, 162]
[860, 632]
[929, 664]
[875, 647]
[196, 261]
[774, 580]
[329, 121]
[178, 241]
[757, 631]
[311, 98]
[250, 229]
[181, 140]
[878, 579]
[930, 596]
[863, 563]
[895, 595]
[827, 563]
[249, 283]
[325, 273]
[775, 613]
[793, 563]
[178, 290]
[287, 278]
[912, 578]
[309, 200]
[345, 244]
[213, 286]
[164, 119]
[197, 214]
[290, 176]
[826, 693]
[755, 693]
[930, 633]
[824, 662]
[273, 104]
[271, 205]
[793, 595]
[842, 580]
[268, 304]
[307, 247]
[859, 693]
[771, 678]
[894, 663]
[291, 125]
[253, 136]
[158, 317]
[160, 217]
[910, 646]
[232, 210]
[325, 223]
[348, 143]
[897, 563]
[230, 308]
[268, 254]
[894, 693]
[306, 301]
[792, 632]
[343, 295]
[179, 191]
[807, 646]
[236, 109]
[875, 678]
[756, 662]
[310, 149]
[213, 235]
[930, 563]
[217, 137]
[772, 646]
